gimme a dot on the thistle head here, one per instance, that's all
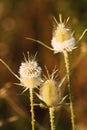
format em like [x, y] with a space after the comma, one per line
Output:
[30, 73]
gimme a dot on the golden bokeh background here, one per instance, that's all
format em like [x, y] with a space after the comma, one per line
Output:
[33, 18]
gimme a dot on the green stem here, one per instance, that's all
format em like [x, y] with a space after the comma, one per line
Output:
[32, 108]
[66, 58]
[51, 113]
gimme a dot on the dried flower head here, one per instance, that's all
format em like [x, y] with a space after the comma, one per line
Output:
[30, 73]
[50, 92]
[62, 38]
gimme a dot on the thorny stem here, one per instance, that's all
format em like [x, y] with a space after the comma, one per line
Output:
[51, 113]
[69, 88]
[32, 109]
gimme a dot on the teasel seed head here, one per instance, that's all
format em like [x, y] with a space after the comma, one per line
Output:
[62, 38]
[50, 93]
[30, 73]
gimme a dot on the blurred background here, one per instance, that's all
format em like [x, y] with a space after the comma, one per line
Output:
[33, 18]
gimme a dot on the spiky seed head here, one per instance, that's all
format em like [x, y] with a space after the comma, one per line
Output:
[30, 73]
[62, 39]
[49, 92]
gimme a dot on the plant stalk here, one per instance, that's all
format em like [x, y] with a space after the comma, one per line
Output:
[66, 58]
[32, 109]
[51, 113]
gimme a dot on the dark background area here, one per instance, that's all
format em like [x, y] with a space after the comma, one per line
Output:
[33, 18]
